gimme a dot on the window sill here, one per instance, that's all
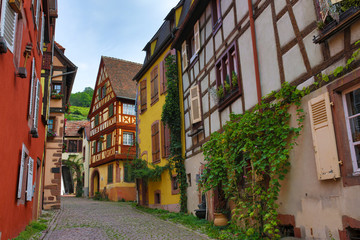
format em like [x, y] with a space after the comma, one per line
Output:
[228, 99]
[346, 19]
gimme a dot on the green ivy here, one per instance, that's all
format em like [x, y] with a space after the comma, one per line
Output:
[250, 158]
[171, 116]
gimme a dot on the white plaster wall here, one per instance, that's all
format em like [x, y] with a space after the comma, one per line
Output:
[229, 23]
[192, 166]
[279, 5]
[185, 79]
[304, 12]
[206, 127]
[187, 120]
[355, 32]
[225, 116]
[242, 9]
[313, 50]
[318, 206]
[215, 121]
[336, 44]
[205, 103]
[247, 70]
[209, 50]
[218, 39]
[285, 30]
[204, 84]
[293, 64]
[267, 55]
[208, 29]
[237, 107]
[225, 4]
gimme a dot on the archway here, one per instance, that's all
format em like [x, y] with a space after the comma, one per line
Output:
[95, 182]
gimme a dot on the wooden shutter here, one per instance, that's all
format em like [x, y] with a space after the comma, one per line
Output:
[21, 170]
[8, 24]
[108, 140]
[197, 36]
[42, 33]
[162, 77]
[111, 110]
[29, 187]
[79, 145]
[154, 85]
[110, 173]
[324, 141]
[155, 142]
[165, 140]
[143, 94]
[195, 104]
[94, 147]
[184, 55]
[36, 108]
[33, 78]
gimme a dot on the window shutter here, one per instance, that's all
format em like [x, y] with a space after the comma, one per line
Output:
[154, 85]
[163, 148]
[155, 142]
[79, 146]
[94, 147]
[37, 16]
[197, 36]
[184, 55]
[29, 190]
[143, 94]
[36, 108]
[21, 171]
[110, 173]
[8, 24]
[108, 140]
[42, 33]
[162, 77]
[324, 141]
[33, 77]
[195, 104]
[111, 110]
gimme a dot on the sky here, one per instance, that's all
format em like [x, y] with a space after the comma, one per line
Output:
[89, 29]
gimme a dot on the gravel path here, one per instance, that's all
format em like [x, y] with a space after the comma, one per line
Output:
[87, 219]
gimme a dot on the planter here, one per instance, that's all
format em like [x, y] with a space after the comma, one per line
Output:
[220, 219]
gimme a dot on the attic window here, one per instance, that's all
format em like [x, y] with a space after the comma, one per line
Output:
[153, 45]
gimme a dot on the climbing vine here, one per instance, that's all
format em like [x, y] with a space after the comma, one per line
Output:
[141, 169]
[172, 118]
[250, 158]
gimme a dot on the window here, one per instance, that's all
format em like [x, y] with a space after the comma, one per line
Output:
[189, 179]
[227, 75]
[37, 13]
[41, 43]
[184, 55]
[99, 93]
[96, 119]
[51, 124]
[143, 95]
[351, 101]
[24, 158]
[195, 105]
[191, 46]
[8, 22]
[99, 146]
[72, 146]
[155, 142]
[108, 140]
[34, 102]
[103, 90]
[110, 173]
[128, 176]
[165, 140]
[174, 185]
[157, 198]
[56, 88]
[94, 147]
[111, 110]
[216, 15]
[128, 139]
[154, 85]
[129, 109]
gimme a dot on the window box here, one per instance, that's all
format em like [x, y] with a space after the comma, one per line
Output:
[55, 95]
[51, 134]
[330, 26]
[229, 98]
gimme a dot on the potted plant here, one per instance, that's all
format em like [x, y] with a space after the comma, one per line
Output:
[220, 92]
[221, 211]
[234, 79]
[51, 134]
[56, 95]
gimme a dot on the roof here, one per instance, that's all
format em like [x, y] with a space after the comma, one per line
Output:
[121, 73]
[72, 128]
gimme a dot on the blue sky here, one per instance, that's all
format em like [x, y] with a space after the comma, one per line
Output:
[115, 28]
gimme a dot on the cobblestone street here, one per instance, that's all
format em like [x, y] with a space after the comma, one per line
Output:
[87, 219]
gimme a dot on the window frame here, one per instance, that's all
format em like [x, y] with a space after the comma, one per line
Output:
[128, 108]
[109, 140]
[155, 142]
[4, 7]
[132, 138]
[55, 89]
[216, 16]
[72, 148]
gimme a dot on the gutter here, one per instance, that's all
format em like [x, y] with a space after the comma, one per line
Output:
[255, 55]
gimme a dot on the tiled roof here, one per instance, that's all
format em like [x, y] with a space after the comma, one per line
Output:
[121, 73]
[72, 128]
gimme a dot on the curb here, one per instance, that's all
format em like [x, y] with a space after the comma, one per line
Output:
[46, 234]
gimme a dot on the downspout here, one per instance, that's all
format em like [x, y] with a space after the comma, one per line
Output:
[256, 59]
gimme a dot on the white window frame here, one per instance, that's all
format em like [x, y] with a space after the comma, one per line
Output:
[24, 155]
[37, 14]
[4, 21]
[41, 44]
[33, 77]
[30, 174]
[356, 167]
[128, 138]
[129, 109]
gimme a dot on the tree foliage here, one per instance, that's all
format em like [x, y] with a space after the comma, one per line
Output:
[82, 99]
[76, 166]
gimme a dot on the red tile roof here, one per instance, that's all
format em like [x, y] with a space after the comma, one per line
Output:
[121, 73]
[72, 128]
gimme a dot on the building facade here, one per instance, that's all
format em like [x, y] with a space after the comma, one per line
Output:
[112, 130]
[24, 28]
[84, 131]
[261, 44]
[62, 76]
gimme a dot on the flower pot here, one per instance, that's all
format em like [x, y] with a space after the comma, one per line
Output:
[220, 219]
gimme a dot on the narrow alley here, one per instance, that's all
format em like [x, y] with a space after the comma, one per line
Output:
[81, 218]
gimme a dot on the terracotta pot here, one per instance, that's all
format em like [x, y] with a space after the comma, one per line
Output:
[220, 219]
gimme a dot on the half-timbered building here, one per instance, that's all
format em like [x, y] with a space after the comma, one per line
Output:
[62, 77]
[248, 49]
[112, 129]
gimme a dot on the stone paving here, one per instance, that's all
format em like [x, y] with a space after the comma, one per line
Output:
[88, 219]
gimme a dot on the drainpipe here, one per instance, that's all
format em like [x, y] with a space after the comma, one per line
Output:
[256, 59]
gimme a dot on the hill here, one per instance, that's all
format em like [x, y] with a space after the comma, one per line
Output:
[80, 104]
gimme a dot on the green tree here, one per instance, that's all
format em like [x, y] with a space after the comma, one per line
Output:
[75, 164]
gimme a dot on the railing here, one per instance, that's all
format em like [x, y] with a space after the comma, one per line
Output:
[124, 150]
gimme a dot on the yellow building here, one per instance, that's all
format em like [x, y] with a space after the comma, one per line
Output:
[112, 130]
[153, 135]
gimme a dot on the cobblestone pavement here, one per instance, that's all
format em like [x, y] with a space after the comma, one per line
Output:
[87, 219]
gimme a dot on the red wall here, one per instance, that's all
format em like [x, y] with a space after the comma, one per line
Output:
[14, 101]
